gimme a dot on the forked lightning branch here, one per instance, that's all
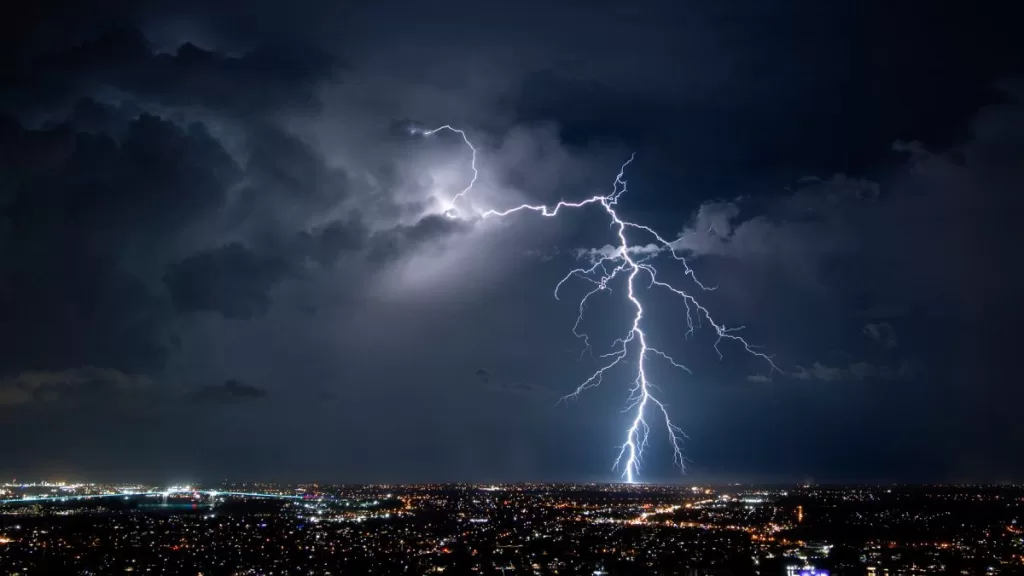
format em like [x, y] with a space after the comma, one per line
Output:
[633, 346]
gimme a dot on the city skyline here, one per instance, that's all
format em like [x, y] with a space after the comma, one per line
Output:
[531, 528]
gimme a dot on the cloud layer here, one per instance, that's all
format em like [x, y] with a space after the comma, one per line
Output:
[190, 197]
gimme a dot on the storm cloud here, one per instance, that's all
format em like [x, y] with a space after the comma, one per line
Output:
[268, 79]
[191, 196]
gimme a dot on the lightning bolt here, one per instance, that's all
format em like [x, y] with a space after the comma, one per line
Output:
[633, 263]
[452, 212]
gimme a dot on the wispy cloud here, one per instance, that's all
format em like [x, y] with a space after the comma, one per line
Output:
[855, 371]
[882, 333]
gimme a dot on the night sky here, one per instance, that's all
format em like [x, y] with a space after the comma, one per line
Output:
[222, 254]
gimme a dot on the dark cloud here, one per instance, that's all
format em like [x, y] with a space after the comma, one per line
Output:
[325, 245]
[930, 244]
[236, 281]
[170, 175]
[154, 181]
[229, 392]
[96, 203]
[231, 280]
[283, 162]
[917, 237]
[286, 184]
[81, 209]
[389, 244]
[95, 117]
[775, 232]
[74, 388]
[269, 79]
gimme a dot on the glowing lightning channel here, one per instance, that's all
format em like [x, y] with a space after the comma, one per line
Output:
[453, 211]
[625, 260]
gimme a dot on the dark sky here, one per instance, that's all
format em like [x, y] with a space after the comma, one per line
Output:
[222, 255]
